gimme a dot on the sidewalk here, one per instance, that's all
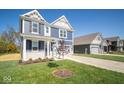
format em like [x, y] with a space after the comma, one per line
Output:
[101, 63]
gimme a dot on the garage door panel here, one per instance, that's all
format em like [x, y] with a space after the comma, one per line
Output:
[94, 50]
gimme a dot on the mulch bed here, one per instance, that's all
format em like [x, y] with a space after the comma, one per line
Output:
[62, 73]
[39, 60]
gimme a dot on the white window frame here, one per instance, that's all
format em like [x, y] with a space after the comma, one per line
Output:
[49, 29]
[63, 33]
[37, 28]
[36, 45]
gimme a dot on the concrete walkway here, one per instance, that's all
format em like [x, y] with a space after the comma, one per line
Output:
[101, 63]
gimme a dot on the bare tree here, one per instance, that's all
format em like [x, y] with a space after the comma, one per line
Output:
[10, 35]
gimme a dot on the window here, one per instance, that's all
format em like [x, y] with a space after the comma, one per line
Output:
[34, 45]
[47, 29]
[34, 27]
[63, 33]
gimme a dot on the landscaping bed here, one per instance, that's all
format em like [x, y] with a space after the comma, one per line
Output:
[30, 61]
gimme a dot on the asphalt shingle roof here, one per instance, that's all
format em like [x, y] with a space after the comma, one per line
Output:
[86, 39]
[115, 38]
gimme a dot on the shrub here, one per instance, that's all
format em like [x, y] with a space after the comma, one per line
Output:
[37, 60]
[51, 65]
[44, 60]
[40, 59]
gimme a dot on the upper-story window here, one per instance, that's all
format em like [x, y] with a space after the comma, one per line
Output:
[63, 33]
[34, 27]
[47, 30]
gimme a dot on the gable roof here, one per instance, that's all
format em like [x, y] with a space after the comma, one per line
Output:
[115, 38]
[34, 13]
[62, 22]
[86, 39]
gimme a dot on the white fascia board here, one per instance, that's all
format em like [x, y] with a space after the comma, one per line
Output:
[36, 12]
[60, 19]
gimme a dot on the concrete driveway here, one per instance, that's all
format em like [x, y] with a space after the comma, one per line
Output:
[101, 63]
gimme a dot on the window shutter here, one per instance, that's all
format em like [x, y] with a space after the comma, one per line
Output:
[30, 26]
[39, 28]
[41, 45]
[28, 45]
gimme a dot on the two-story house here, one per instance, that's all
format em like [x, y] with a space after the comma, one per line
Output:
[115, 44]
[41, 39]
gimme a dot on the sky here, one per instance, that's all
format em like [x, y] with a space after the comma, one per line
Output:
[84, 21]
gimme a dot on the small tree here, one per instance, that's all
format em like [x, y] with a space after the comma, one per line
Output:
[2, 46]
[11, 48]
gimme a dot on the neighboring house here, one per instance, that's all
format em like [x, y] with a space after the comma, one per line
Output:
[90, 44]
[114, 43]
[123, 44]
[41, 39]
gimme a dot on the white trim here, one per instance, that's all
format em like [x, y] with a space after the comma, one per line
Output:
[45, 33]
[68, 40]
[62, 36]
[24, 50]
[72, 43]
[30, 36]
[65, 20]
[22, 25]
[37, 27]
[33, 12]
[48, 50]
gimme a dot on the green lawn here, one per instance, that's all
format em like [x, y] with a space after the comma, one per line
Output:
[42, 73]
[107, 57]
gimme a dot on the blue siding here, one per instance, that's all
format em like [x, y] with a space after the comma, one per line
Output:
[68, 42]
[26, 27]
[41, 30]
[69, 36]
[54, 32]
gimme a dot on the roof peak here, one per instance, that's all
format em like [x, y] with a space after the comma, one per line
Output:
[58, 19]
[36, 11]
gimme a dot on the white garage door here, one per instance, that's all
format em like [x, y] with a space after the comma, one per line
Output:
[94, 50]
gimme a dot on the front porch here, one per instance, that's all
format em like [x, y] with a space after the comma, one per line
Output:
[42, 47]
[37, 47]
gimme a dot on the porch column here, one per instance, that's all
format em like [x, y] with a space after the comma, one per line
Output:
[24, 50]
